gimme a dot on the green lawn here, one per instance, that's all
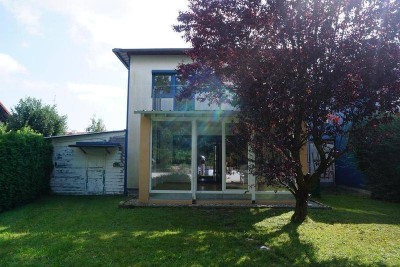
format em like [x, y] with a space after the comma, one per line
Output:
[92, 231]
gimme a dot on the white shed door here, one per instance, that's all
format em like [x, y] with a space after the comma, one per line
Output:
[95, 172]
[95, 180]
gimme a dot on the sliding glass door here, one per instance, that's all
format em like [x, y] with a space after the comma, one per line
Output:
[197, 158]
[171, 155]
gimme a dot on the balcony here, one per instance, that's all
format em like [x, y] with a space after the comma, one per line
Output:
[170, 102]
[165, 88]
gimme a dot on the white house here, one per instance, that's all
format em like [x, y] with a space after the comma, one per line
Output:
[185, 150]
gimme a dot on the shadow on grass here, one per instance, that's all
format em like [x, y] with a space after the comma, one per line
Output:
[293, 251]
[353, 209]
[91, 231]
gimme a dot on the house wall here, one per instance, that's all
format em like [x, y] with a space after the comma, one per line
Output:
[144, 172]
[140, 87]
[93, 172]
[140, 82]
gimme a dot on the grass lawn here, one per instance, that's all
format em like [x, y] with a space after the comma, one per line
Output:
[92, 231]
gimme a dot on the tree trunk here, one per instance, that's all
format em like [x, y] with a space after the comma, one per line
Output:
[300, 212]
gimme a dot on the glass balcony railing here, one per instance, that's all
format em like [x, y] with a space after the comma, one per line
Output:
[164, 98]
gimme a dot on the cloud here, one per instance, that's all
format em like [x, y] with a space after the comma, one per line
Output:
[96, 93]
[26, 14]
[38, 86]
[89, 29]
[104, 59]
[8, 65]
[136, 24]
[108, 102]
[25, 44]
[101, 25]
[128, 24]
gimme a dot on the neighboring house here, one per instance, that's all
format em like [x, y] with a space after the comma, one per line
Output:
[346, 169]
[4, 113]
[182, 150]
[88, 164]
[327, 178]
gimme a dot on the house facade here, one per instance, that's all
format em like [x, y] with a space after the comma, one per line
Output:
[183, 150]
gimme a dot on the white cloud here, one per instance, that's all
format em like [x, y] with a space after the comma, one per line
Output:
[91, 28]
[43, 86]
[107, 102]
[25, 44]
[8, 65]
[102, 24]
[104, 58]
[26, 14]
[128, 24]
[96, 93]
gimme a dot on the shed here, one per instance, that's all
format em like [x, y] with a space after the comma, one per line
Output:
[89, 164]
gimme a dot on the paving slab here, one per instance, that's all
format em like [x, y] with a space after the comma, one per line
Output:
[134, 203]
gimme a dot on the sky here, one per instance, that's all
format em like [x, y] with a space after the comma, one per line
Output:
[61, 52]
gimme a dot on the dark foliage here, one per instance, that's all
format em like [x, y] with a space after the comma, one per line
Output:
[379, 160]
[44, 119]
[298, 70]
[25, 167]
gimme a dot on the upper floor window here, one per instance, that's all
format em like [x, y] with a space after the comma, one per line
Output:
[165, 86]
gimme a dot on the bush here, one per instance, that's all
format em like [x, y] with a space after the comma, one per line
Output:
[378, 157]
[25, 167]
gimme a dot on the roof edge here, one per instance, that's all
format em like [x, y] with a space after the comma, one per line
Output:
[84, 134]
[4, 109]
[194, 113]
[124, 54]
[153, 51]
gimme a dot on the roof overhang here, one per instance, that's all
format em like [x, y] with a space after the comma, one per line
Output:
[106, 145]
[4, 113]
[211, 114]
[124, 54]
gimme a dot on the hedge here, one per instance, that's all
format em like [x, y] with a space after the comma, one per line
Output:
[25, 167]
[380, 161]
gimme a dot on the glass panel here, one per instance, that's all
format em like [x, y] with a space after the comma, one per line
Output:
[162, 85]
[209, 157]
[185, 104]
[171, 155]
[236, 160]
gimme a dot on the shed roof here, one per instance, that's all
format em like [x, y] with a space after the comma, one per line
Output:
[96, 144]
[85, 134]
[124, 54]
[101, 144]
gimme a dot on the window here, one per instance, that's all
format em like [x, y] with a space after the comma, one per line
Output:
[171, 158]
[165, 87]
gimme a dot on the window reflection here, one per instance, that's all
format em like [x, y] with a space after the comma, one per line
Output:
[171, 156]
[236, 160]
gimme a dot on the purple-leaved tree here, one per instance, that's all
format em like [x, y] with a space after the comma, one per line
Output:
[298, 71]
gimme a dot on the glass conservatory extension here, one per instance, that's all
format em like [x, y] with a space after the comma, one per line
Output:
[196, 156]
